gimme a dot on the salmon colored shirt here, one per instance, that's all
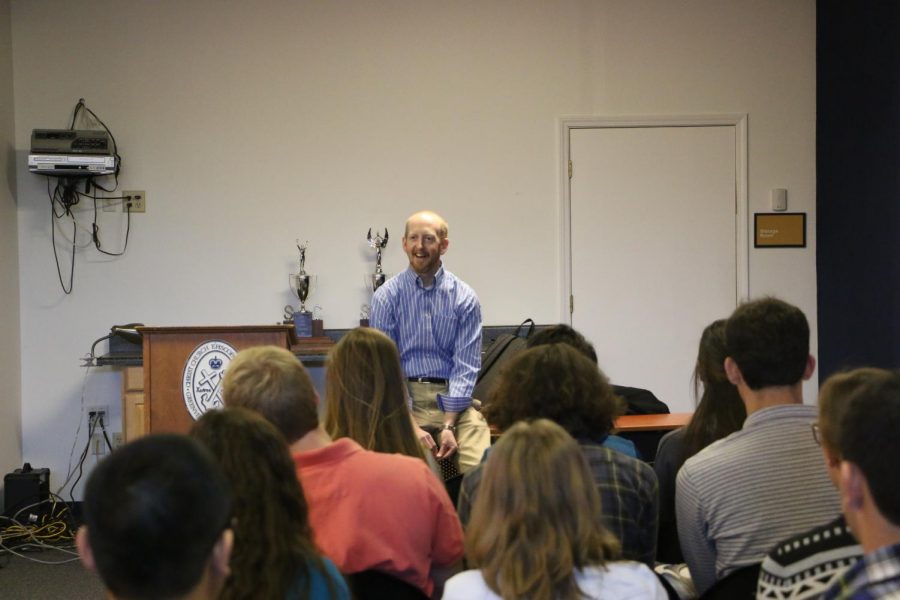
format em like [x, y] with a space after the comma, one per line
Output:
[385, 512]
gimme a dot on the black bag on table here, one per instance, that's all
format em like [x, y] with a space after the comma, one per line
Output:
[500, 351]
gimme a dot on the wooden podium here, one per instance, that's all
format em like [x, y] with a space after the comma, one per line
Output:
[182, 372]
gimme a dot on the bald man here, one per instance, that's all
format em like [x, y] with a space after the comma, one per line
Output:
[435, 320]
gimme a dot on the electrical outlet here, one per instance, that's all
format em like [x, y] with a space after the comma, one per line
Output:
[95, 412]
[110, 204]
[134, 200]
[117, 440]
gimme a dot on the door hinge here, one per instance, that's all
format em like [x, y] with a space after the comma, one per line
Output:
[571, 303]
[570, 169]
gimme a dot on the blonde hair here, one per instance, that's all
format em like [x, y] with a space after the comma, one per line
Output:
[537, 518]
[271, 381]
[365, 394]
[833, 402]
[440, 225]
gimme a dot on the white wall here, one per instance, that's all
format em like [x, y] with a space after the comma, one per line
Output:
[252, 124]
[10, 371]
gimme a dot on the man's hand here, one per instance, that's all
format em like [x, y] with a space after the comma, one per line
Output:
[425, 439]
[448, 444]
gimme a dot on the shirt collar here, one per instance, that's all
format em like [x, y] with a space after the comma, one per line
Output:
[781, 411]
[415, 280]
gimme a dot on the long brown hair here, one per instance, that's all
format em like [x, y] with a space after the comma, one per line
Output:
[274, 545]
[537, 517]
[720, 410]
[365, 394]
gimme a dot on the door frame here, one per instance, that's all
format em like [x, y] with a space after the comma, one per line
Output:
[741, 216]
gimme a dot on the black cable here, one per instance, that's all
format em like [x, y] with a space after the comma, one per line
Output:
[92, 423]
[95, 228]
[66, 195]
[54, 198]
[94, 345]
[56, 256]
[105, 437]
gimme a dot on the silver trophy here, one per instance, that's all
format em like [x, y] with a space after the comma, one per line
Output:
[301, 282]
[376, 280]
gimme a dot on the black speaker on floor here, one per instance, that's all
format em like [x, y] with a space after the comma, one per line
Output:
[25, 487]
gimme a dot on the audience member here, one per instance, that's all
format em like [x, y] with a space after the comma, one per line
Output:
[719, 413]
[805, 565]
[366, 396]
[156, 521]
[274, 554]
[870, 490]
[535, 531]
[565, 334]
[368, 510]
[741, 495]
[557, 382]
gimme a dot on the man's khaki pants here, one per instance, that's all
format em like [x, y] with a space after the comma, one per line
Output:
[472, 433]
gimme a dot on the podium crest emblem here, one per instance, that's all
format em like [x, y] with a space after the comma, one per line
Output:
[201, 382]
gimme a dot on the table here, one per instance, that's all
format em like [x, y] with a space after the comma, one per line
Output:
[646, 430]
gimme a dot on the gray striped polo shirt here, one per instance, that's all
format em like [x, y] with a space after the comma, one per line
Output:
[740, 496]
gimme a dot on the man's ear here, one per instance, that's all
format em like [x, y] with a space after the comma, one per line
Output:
[445, 243]
[733, 371]
[220, 561]
[852, 484]
[84, 549]
[810, 367]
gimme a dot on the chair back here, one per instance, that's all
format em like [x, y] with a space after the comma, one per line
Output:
[737, 585]
[376, 585]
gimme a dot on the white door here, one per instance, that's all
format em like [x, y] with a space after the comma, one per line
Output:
[653, 248]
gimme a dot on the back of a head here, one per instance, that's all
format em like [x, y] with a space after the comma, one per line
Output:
[720, 410]
[273, 539]
[537, 516]
[556, 382]
[562, 334]
[365, 394]
[769, 340]
[834, 398]
[154, 509]
[869, 440]
[272, 382]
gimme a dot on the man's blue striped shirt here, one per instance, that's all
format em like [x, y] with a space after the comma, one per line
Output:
[437, 330]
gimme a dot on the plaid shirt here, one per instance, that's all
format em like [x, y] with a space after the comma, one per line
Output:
[877, 575]
[629, 498]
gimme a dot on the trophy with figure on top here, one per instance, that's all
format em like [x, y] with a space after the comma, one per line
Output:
[374, 280]
[302, 284]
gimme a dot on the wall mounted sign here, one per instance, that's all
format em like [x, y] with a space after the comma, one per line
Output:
[779, 230]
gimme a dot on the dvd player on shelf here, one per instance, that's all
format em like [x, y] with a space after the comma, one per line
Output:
[71, 164]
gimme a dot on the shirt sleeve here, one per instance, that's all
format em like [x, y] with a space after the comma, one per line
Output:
[383, 315]
[466, 358]
[699, 551]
